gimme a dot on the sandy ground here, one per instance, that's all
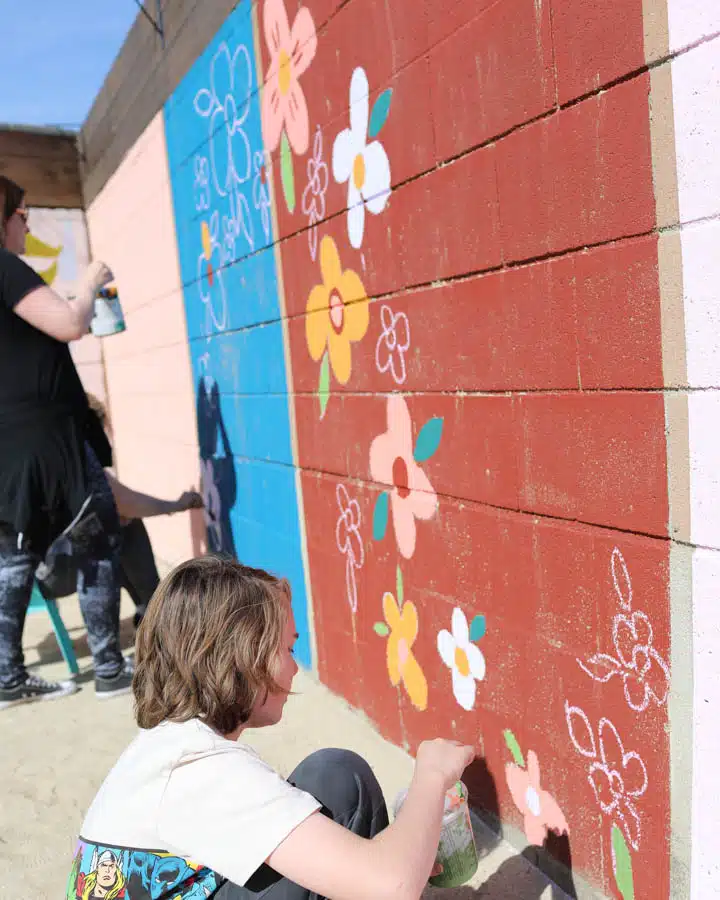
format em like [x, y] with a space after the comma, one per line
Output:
[55, 755]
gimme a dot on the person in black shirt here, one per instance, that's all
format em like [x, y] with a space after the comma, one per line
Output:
[52, 453]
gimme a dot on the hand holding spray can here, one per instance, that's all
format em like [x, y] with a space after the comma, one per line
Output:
[108, 318]
[457, 860]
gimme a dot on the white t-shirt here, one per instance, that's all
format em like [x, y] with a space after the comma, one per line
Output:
[185, 809]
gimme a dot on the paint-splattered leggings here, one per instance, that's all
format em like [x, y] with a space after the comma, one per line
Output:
[350, 794]
[98, 590]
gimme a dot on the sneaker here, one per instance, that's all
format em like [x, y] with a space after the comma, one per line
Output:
[34, 688]
[117, 685]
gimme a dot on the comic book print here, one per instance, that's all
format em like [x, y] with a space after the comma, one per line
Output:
[100, 872]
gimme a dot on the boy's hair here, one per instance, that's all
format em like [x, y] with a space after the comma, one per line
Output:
[208, 644]
[11, 198]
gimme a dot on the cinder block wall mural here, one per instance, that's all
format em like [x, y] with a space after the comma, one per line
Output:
[147, 366]
[445, 274]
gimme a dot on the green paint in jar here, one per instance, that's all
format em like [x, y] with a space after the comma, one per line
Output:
[457, 853]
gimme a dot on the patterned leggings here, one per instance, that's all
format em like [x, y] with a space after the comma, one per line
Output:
[98, 590]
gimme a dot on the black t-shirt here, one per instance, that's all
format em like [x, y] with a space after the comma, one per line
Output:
[44, 419]
[34, 367]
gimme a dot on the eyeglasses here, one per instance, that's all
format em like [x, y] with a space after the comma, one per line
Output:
[23, 213]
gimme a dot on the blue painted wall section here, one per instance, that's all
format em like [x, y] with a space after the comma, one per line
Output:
[224, 232]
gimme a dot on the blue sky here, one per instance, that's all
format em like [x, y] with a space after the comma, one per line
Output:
[56, 54]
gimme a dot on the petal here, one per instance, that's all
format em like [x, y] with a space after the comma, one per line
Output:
[393, 663]
[658, 678]
[533, 769]
[391, 611]
[340, 355]
[359, 104]
[551, 814]
[351, 287]
[382, 456]
[446, 648]
[376, 189]
[632, 823]
[329, 264]
[409, 623]
[464, 689]
[272, 115]
[317, 322]
[357, 319]
[220, 74]
[356, 224]
[476, 661]
[422, 494]
[599, 779]
[404, 522]
[518, 782]
[343, 156]
[460, 629]
[303, 41]
[535, 830]
[415, 683]
[277, 28]
[297, 124]
[400, 426]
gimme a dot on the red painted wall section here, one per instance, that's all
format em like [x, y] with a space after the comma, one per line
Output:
[469, 254]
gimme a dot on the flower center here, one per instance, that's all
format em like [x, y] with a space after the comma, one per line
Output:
[532, 800]
[359, 171]
[284, 72]
[403, 652]
[206, 240]
[400, 477]
[210, 274]
[337, 310]
[461, 662]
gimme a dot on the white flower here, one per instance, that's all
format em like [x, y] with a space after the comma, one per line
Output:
[364, 166]
[463, 658]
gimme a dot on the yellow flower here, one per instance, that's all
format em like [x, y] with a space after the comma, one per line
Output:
[402, 665]
[338, 312]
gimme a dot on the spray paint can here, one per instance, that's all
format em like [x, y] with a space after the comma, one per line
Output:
[108, 318]
[457, 854]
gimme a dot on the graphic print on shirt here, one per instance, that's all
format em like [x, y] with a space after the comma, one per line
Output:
[100, 872]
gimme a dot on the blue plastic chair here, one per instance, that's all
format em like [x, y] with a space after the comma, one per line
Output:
[38, 603]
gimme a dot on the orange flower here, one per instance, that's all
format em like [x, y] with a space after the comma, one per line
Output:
[401, 663]
[338, 312]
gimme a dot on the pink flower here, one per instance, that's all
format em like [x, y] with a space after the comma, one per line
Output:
[392, 463]
[291, 52]
[540, 810]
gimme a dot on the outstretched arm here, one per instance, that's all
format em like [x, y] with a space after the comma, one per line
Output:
[136, 505]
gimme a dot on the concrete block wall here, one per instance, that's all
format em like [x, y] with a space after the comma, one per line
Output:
[440, 311]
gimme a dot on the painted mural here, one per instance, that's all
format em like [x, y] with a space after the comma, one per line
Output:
[419, 317]
[57, 246]
[220, 187]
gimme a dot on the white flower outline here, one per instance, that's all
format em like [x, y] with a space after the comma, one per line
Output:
[391, 346]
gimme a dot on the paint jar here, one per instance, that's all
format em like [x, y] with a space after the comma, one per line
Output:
[108, 318]
[457, 853]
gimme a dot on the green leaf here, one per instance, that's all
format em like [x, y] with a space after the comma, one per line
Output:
[287, 173]
[324, 384]
[380, 516]
[514, 747]
[429, 439]
[381, 629]
[399, 589]
[477, 628]
[622, 863]
[379, 113]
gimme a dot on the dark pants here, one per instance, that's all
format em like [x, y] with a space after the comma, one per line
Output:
[350, 794]
[98, 586]
[139, 574]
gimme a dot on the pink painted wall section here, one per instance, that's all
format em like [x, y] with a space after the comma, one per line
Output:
[147, 367]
